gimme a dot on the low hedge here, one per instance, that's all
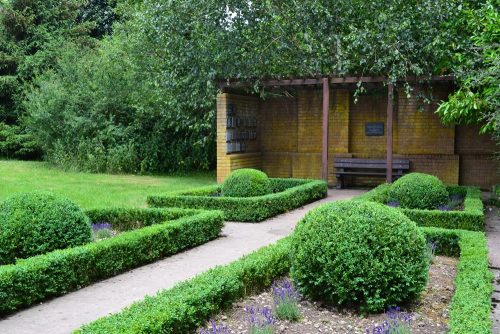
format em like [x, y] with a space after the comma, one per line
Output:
[188, 305]
[470, 307]
[56, 273]
[471, 218]
[287, 194]
[125, 219]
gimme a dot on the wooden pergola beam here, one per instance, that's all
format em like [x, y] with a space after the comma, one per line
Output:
[333, 80]
[390, 114]
[326, 106]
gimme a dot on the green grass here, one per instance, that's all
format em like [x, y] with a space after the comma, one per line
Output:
[93, 190]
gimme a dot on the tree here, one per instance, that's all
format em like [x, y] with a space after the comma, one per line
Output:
[477, 101]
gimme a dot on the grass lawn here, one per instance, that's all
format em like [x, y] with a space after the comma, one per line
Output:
[92, 190]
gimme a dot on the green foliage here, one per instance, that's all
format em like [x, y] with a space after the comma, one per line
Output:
[246, 182]
[418, 191]
[38, 222]
[17, 142]
[477, 99]
[287, 309]
[53, 274]
[186, 306]
[471, 218]
[470, 307]
[189, 304]
[293, 194]
[360, 254]
[112, 116]
[126, 219]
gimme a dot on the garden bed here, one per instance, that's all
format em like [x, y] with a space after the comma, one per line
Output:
[287, 194]
[429, 315]
[471, 217]
[188, 305]
[147, 235]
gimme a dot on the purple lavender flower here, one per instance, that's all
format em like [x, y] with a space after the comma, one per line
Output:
[215, 329]
[286, 301]
[397, 322]
[393, 204]
[260, 320]
[101, 226]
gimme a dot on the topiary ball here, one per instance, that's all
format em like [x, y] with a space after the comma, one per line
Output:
[359, 254]
[418, 191]
[39, 222]
[246, 182]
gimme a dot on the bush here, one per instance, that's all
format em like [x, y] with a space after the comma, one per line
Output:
[418, 191]
[37, 223]
[189, 304]
[471, 218]
[359, 254]
[53, 274]
[291, 194]
[246, 182]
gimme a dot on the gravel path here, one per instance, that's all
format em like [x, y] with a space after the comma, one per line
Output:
[69, 312]
[493, 233]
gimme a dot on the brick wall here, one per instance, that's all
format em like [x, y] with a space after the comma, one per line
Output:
[477, 165]
[290, 137]
[245, 106]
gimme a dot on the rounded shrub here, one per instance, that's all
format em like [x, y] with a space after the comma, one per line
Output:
[418, 191]
[246, 182]
[39, 222]
[359, 254]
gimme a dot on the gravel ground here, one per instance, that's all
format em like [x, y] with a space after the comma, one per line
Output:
[429, 314]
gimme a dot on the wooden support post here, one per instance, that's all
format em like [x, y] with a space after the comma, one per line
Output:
[390, 113]
[326, 105]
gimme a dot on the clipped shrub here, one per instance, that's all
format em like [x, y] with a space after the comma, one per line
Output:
[246, 182]
[39, 222]
[418, 191]
[359, 254]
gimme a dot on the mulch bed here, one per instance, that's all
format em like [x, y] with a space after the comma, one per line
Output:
[429, 314]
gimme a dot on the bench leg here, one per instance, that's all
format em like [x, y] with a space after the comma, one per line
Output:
[340, 181]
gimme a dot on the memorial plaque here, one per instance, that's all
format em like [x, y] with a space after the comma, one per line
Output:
[374, 129]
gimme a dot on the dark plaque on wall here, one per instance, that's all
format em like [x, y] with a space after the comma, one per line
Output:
[374, 129]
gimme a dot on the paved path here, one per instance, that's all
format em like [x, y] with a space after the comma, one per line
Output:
[493, 233]
[69, 312]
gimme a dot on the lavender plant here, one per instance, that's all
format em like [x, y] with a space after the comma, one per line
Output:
[393, 204]
[101, 231]
[286, 300]
[396, 322]
[261, 320]
[215, 329]
[431, 250]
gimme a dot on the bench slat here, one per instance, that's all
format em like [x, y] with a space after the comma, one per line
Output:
[370, 166]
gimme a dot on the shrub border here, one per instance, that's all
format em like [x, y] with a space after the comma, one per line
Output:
[292, 193]
[191, 303]
[471, 218]
[53, 274]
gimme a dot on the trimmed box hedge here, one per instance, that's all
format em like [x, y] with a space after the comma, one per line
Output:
[287, 194]
[189, 304]
[471, 218]
[165, 232]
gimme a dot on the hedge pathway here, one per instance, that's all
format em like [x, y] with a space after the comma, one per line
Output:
[493, 233]
[69, 312]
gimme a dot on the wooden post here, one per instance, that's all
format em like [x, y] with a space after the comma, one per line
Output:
[390, 109]
[326, 105]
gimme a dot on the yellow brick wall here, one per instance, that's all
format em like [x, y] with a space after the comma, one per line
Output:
[245, 106]
[290, 137]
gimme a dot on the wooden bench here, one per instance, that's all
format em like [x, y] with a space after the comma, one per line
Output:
[368, 167]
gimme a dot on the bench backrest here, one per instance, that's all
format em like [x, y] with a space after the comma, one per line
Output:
[403, 164]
